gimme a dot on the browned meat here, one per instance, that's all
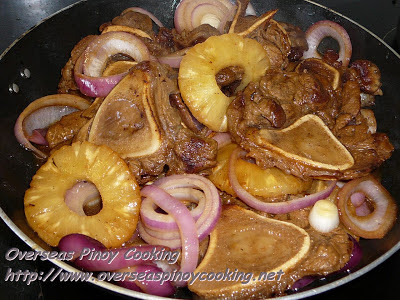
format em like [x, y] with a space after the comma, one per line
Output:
[198, 35]
[298, 95]
[67, 83]
[134, 20]
[228, 79]
[367, 75]
[181, 150]
[195, 153]
[275, 41]
[176, 101]
[351, 100]
[260, 111]
[162, 44]
[65, 129]
[297, 39]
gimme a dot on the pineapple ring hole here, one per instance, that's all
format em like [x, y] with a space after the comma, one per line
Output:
[228, 79]
[84, 198]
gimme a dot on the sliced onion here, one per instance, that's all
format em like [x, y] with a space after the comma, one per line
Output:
[158, 228]
[192, 13]
[91, 64]
[210, 14]
[363, 210]
[250, 11]
[376, 224]
[38, 137]
[357, 199]
[42, 113]
[149, 286]
[145, 12]
[303, 282]
[317, 32]
[78, 242]
[80, 194]
[355, 256]
[173, 59]
[273, 208]
[185, 222]
[222, 138]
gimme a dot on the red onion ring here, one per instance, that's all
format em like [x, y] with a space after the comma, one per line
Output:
[157, 228]
[274, 208]
[189, 13]
[222, 138]
[90, 65]
[152, 287]
[145, 12]
[42, 113]
[363, 210]
[357, 199]
[174, 59]
[317, 32]
[78, 242]
[373, 225]
[250, 11]
[186, 224]
[79, 194]
[38, 137]
[220, 14]
[355, 256]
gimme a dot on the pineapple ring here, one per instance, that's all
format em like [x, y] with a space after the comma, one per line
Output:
[198, 68]
[48, 214]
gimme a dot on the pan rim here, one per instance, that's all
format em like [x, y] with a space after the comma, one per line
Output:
[126, 292]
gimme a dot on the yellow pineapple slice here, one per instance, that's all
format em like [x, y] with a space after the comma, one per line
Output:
[201, 63]
[270, 182]
[48, 214]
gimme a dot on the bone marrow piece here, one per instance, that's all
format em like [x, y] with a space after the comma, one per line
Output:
[138, 121]
[250, 243]
[126, 119]
[307, 140]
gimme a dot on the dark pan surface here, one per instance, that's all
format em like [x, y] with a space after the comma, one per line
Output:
[45, 49]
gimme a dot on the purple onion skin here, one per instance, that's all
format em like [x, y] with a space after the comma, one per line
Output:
[355, 258]
[154, 287]
[77, 242]
[303, 282]
[130, 285]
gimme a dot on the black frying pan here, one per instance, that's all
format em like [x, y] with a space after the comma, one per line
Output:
[45, 49]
